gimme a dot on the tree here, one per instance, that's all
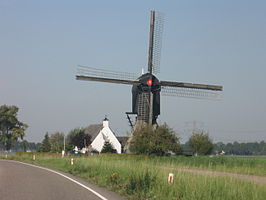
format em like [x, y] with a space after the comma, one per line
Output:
[77, 137]
[158, 141]
[201, 143]
[45, 146]
[10, 127]
[57, 142]
[24, 145]
[108, 148]
[235, 148]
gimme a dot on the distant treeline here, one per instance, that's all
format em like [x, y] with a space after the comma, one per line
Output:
[23, 146]
[235, 148]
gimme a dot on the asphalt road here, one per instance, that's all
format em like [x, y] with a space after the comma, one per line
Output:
[20, 181]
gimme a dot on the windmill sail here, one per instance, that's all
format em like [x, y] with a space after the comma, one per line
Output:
[190, 93]
[154, 56]
[190, 90]
[155, 41]
[143, 107]
[102, 75]
[191, 85]
[151, 41]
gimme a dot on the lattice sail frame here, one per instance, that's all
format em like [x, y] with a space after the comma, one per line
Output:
[157, 41]
[143, 107]
[105, 73]
[191, 93]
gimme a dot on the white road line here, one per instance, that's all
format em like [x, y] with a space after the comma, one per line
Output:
[50, 170]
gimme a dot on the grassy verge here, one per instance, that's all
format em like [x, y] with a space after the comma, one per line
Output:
[138, 177]
[241, 165]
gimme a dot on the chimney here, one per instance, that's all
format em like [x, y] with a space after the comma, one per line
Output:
[105, 122]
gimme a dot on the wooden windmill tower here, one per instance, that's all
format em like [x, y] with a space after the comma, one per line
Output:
[146, 89]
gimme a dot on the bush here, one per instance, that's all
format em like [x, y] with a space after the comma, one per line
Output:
[160, 141]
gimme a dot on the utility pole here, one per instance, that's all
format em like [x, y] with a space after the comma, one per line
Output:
[194, 126]
[84, 143]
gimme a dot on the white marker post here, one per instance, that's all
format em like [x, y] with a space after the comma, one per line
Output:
[64, 150]
[72, 161]
[33, 157]
[170, 178]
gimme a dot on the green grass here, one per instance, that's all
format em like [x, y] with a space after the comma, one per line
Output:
[138, 177]
[242, 165]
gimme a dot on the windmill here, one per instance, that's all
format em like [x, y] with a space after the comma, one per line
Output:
[146, 89]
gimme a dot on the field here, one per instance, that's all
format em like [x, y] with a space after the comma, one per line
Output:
[143, 177]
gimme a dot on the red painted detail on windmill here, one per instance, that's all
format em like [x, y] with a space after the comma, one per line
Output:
[149, 82]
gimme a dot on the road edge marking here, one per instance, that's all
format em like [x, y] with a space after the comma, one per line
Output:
[58, 173]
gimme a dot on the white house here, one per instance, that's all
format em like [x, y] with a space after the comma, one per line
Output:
[100, 133]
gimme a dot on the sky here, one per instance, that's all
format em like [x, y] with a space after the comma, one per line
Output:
[207, 42]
